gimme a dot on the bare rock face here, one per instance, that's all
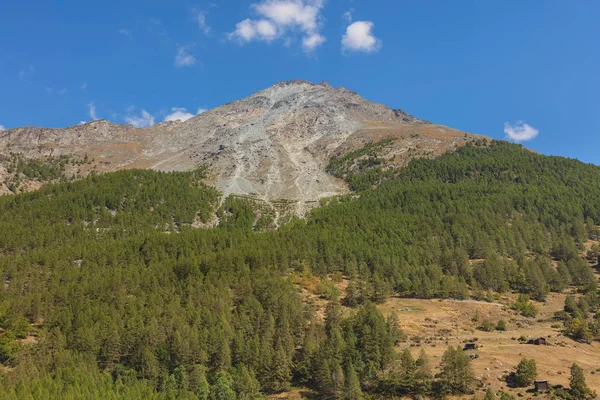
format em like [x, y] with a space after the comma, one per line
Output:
[274, 144]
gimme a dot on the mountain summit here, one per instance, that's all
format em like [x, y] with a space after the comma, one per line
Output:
[274, 144]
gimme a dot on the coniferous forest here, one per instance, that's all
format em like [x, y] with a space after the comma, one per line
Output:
[111, 289]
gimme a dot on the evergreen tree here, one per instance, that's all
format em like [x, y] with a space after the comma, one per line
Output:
[407, 370]
[457, 374]
[222, 389]
[526, 372]
[353, 389]
[570, 304]
[490, 394]
[578, 386]
[198, 383]
[422, 382]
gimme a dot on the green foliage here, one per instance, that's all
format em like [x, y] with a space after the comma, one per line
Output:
[457, 374]
[579, 329]
[578, 386]
[362, 168]
[47, 170]
[501, 325]
[486, 326]
[126, 296]
[526, 372]
[571, 304]
[327, 289]
[525, 306]
[490, 394]
[222, 389]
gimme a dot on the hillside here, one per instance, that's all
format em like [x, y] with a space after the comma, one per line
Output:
[272, 145]
[111, 290]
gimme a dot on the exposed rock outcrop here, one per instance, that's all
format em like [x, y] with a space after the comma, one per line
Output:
[272, 145]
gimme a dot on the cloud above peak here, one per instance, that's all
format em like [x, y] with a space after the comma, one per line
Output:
[520, 132]
[92, 111]
[2, 128]
[178, 114]
[182, 114]
[359, 38]
[141, 121]
[282, 19]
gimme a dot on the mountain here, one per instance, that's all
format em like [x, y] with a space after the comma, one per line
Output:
[274, 144]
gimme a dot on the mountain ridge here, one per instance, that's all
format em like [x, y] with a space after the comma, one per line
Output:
[274, 144]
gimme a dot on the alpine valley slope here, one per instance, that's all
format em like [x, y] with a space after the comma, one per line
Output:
[274, 144]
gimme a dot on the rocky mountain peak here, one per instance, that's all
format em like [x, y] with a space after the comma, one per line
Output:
[272, 145]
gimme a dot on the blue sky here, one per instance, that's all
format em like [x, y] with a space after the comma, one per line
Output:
[473, 65]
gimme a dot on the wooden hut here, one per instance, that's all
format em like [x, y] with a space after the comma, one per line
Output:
[542, 386]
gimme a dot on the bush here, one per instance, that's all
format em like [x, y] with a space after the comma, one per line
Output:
[501, 325]
[525, 306]
[486, 326]
[327, 289]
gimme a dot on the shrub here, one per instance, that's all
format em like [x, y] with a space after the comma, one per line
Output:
[501, 325]
[486, 326]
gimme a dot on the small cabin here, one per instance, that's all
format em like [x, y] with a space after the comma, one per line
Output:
[470, 346]
[542, 386]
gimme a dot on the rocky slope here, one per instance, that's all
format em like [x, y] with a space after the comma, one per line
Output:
[272, 145]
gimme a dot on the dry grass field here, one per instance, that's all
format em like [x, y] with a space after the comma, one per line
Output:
[435, 324]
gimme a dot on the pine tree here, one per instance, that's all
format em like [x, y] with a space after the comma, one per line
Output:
[457, 373]
[281, 371]
[351, 298]
[353, 390]
[338, 381]
[245, 383]
[423, 376]
[198, 383]
[222, 388]
[579, 388]
[181, 378]
[570, 304]
[406, 376]
[526, 372]
[490, 395]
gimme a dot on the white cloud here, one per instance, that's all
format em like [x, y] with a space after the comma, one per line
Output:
[124, 32]
[200, 18]
[359, 38]
[248, 30]
[313, 41]
[183, 58]
[92, 111]
[62, 91]
[142, 121]
[2, 128]
[178, 113]
[280, 19]
[201, 110]
[83, 86]
[347, 16]
[520, 132]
